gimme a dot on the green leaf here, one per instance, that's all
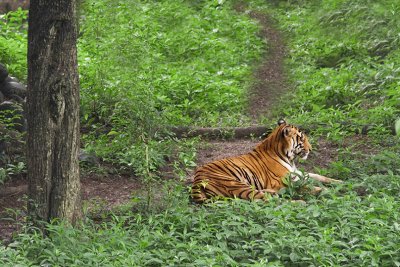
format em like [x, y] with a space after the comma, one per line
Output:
[397, 127]
[112, 133]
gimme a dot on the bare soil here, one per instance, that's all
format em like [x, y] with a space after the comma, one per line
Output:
[270, 77]
[214, 150]
[101, 192]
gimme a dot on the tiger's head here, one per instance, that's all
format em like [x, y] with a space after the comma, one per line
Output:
[293, 142]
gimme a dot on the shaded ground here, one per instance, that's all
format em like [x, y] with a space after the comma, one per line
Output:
[8, 5]
[100, 192]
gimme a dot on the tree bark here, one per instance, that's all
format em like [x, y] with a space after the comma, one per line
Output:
[53, 112]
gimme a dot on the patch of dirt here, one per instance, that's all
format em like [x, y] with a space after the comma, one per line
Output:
[12, 208]
[99, 193]
[216, 149]
[17, 188]
[112, 190]
[271, 80]
[324, 152]
[9, 5]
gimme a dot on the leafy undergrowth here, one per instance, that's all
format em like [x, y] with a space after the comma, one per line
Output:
[343, 61]
[355, 223]
[340, 227]
[146, 65]
[183, 61]
[13, 44]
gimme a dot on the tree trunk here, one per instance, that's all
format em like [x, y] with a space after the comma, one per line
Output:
[53, 112]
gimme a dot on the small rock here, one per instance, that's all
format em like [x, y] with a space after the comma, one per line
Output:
[3, 73]
[88, 158]
[11, 79]
[13, 88]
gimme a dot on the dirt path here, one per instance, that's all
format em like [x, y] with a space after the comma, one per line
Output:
[270, 84]
[270, 77]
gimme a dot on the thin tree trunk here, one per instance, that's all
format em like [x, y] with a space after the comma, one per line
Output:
[53, 112]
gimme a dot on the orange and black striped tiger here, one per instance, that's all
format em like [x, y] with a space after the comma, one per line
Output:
[261, 171]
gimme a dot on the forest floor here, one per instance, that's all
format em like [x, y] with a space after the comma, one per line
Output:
[112, 190]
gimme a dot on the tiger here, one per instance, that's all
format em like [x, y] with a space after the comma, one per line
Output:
[258, 173]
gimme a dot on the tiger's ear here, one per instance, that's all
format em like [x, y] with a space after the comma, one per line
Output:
[287, 131]
[281, 121]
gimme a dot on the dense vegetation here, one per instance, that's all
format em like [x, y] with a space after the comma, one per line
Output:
[13, 43]
[13, 50]
[337, 229]
[146, 64]
[344, 58]
[160, 63]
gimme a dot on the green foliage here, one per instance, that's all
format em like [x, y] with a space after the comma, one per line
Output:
[10, 119]
[385, 162]
[13, 53]
[11, 169]
[343, 230]
[168, 55]
[299, 189]
[397, 127]
[145, 65]
[13, 42]
[12, 162]
[343, 61]
[351, 224]
[165, 58]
